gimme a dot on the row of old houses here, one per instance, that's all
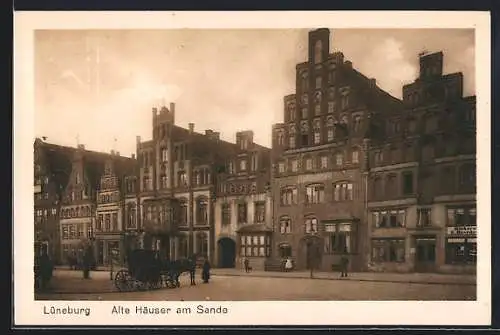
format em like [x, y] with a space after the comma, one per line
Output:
[352, 170]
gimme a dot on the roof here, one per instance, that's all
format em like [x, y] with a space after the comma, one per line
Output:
[60, 158]
[255, 228]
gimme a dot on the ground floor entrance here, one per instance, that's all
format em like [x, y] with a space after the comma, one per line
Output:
[425, 254]
[227, 252]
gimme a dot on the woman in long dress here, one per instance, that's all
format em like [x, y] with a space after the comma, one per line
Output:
[288, 265]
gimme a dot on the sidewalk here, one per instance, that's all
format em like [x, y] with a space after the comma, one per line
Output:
[410, 278]
[67, 281]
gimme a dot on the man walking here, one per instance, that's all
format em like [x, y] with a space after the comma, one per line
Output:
[247, 265]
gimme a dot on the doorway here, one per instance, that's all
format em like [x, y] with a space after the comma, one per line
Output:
[227, 252]
[425, 254]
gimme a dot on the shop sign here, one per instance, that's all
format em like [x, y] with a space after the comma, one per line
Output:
[462, 231]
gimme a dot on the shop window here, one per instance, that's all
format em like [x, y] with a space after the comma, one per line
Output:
[337, 238]
[388, 250]
[254, 246]
[461, 251]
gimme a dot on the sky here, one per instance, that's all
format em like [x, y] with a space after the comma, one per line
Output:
[97, 88]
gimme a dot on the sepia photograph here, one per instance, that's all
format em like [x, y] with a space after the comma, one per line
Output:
[225, 164]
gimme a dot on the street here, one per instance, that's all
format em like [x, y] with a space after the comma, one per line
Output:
[253, 288]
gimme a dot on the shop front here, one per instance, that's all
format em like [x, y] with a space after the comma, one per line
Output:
[109, 248]
[460, 249]
[254, 245]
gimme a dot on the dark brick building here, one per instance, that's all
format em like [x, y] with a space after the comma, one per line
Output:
[422, 177]
[320, 160]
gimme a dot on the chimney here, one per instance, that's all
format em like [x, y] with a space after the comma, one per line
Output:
[191, 127]
[81, 146]
[154, 111]
[138, 139]
[133, 156]
[373, 82]
[209, 132]
[348, 64]
[172, 107]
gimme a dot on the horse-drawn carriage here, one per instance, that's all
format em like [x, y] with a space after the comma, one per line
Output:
[146, 270]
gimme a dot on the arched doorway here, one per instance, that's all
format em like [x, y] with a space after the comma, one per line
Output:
[227, 252]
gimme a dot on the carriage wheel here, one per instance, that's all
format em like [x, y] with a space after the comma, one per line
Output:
[123, 280]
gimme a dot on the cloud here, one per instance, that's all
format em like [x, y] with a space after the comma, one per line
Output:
[390, 66]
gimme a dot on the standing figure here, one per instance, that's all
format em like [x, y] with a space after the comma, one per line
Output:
[87, 261]
[247, 265]
[344, 263]
[205, 274]
[288, 265]
[192, 269]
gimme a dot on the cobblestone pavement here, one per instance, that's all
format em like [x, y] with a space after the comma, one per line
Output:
[254, 288]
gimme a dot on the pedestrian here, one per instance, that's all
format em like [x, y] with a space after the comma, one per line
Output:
[344, 263]
[87, 261]
[247, 265]
[205, 274]
[288, 264]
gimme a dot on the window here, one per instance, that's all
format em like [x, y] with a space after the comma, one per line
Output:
[315, 194]
[255, 246]
[131, 217]
[202, 244]
[285, 225]
[331, 76]
[424, 217]
[343, 192]
[255, 162]
[291, 141]
[294, 165]
[355, 157]
[243, 165]
[72, 231]
[107, 222]
[281, 139]
[318, 82]
[260, 212]
[339, 159]
[146, 183]
[54, 211]
[390, 185]
[305, 139]
[461, 216]
[288, 196]
[304, 112]
[281, 167]
[330, 134]
[338, 238]
[448, 179]
[317, 136]
[467, 174]
[100, 220]
[318, 50]
[242, 213]
[311, 226]
[430, 124]
[163, 180]
[428, 151]
[201, 212]
[324, 162]
[231, 168]
[357, 124]
[379, 157]
[80, 230]
[331, 107]
[183, 247]
[78, 178]
[407, 182]
[65, 232]
[345, 101]
[182, 179]
[226, 214]
[309, 164]
[183, 212]
[461, 251]
[389, 218]
[388, 250]
[164, 154]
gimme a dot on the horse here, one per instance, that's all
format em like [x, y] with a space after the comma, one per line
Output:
[177, 267]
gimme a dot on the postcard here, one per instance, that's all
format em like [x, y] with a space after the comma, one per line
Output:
[252, 168]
